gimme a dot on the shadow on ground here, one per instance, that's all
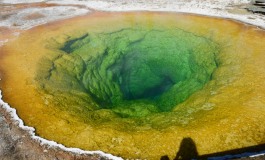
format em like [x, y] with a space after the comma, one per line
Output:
[188, 151]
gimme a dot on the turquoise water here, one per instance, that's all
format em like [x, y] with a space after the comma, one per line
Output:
[132, 72]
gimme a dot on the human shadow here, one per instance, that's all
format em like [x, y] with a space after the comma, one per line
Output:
[187, 150]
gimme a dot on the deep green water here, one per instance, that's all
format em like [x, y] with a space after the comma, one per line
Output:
[131, 72]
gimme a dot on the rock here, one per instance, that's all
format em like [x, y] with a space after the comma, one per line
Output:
[257, 6]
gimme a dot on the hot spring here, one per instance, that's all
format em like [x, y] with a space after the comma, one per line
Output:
[135, 84]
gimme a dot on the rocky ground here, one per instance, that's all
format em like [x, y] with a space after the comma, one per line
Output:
[257, 6]
[17, 143]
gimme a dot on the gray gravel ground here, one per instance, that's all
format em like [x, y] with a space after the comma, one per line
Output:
[16, 144]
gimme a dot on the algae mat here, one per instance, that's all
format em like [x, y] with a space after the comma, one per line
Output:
[136, 84]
